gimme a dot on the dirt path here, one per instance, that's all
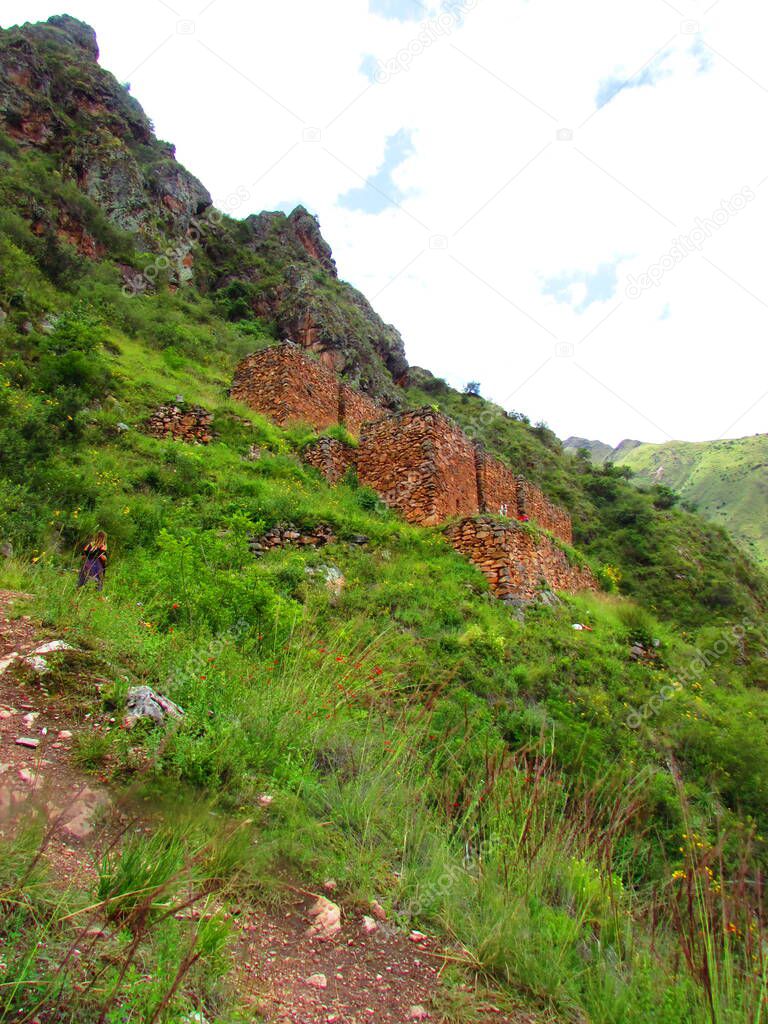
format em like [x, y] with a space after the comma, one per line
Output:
[359, 976]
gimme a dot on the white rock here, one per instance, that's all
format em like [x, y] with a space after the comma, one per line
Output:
[369, 925]
[51, 646]
[65, 734]
[417, 1013]
[27, 741]
[29, 720]
[317, 981]
[265, 800]
[326, 919]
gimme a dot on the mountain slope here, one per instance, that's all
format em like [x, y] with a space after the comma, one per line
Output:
[726, 480]
[362, 711]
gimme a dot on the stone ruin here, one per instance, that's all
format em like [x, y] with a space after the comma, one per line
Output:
[422, 464]
[285, 385]
[517, 562]
[190, 423]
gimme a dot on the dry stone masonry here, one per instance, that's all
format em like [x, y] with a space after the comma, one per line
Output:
[189, 423]
[516, 560]
[286, 534]
[423, 465]
[282, 383]
[333, 458]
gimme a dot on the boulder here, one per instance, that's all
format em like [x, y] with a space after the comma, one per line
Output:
[143, 702]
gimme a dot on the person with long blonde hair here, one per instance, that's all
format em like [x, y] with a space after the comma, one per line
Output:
[94, 565]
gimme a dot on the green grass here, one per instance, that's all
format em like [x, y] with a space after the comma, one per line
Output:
[478, 771]
[725, 480]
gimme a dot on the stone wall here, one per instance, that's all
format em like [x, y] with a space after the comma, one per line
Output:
[282, 383]
[496, 486]
[516, 562]
[421, 464]
[333, 458]
[189, 423]
[355, 409]
[532, 503]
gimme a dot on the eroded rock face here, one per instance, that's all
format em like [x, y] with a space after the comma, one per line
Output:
[55, 96]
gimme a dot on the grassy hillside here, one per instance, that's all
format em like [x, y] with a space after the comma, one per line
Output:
[579, 812]
[727, 481]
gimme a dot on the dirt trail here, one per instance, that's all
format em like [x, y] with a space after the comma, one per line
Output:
[358, 977]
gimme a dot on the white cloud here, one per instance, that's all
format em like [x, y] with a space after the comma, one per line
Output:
[484, 102]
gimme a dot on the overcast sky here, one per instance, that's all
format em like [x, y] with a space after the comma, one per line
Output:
[563, 201]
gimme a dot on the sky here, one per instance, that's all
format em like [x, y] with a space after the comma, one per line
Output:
[565, 202]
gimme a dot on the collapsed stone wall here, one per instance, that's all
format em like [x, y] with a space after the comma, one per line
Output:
[496, 486]
[333, 458]
[281, 383]
[420, 463]
[516, 561]
[532, 503]
[189, 423]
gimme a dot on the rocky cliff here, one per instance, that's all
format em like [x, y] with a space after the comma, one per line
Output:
[55, 98]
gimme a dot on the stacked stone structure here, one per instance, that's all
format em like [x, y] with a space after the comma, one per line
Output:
[190, 423]
[423, 465]
[333, 458]
[516, 560]
[283, 383]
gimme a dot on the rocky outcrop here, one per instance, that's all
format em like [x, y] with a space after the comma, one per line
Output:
[295, 286]
[55, 96]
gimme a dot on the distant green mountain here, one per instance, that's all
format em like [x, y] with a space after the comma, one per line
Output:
[599, 451]
[727, 480]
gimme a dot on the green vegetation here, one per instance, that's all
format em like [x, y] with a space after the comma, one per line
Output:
[725, 480]
[579, 811]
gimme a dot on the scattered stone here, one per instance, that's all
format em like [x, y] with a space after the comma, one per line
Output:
[29, 777]
[287, 534]
[254, 453]
[359, 539]
[326, 919]
[369, 925]
[6, 712]
[27, 741]
[265, 800]
[30, 719]
[65, 734]
[418, 1013]
[417, 936]
[330, 885]
[38, 665]
[317, 981]
[378, 911]
[143, 702]
[6, 549]
[122, 428]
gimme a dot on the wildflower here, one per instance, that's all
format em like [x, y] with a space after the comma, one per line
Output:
[677, 875]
